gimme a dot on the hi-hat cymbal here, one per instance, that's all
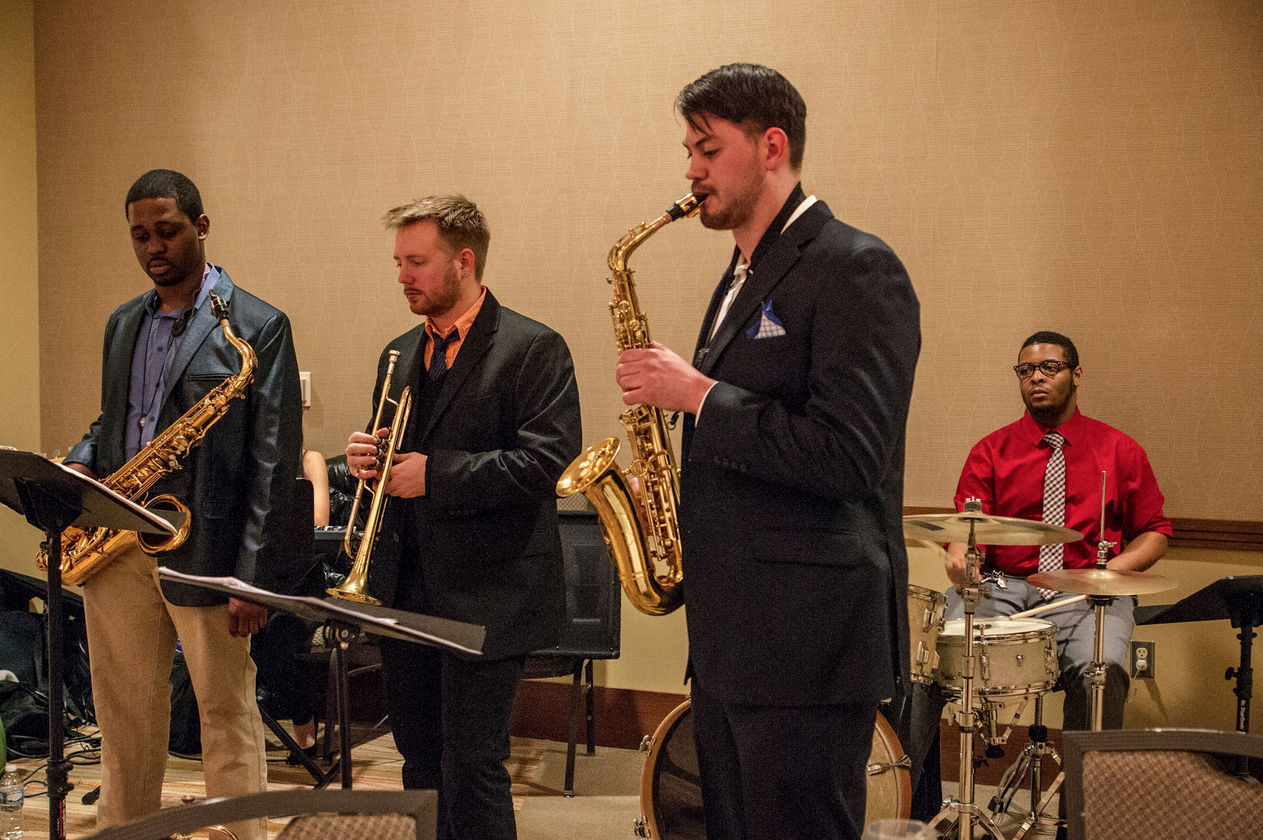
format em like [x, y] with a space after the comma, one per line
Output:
[988, 530]
[1101, 582]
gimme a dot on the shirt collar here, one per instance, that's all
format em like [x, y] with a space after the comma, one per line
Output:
[210, 276]
[465, 321]
[779, 224]
[1034, 431]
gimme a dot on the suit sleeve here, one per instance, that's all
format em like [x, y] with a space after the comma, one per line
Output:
[542, 433]
[272, 447]
[865, 338]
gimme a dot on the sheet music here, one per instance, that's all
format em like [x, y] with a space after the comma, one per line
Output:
[440, 632]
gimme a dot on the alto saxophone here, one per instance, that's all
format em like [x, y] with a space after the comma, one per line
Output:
[648, 558]
[87, 551]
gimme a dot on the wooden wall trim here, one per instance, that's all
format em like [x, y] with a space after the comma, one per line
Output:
[1223, 534]
[622, 716]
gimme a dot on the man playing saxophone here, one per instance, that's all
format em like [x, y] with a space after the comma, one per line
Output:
[791, 479]
[470, 532]
[164, 352]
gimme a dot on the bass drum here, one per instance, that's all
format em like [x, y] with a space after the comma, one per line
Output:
[671, 793]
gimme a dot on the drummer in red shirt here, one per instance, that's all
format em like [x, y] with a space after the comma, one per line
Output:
[1007, 470]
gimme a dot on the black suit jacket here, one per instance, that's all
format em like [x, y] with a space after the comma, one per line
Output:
[239, 481]
[504, 425]
[792, 475]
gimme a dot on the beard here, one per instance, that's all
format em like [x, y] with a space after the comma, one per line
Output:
[739, 206]
[443, 298]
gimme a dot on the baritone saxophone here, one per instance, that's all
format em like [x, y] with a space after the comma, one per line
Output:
[85, 551]
[642, 531]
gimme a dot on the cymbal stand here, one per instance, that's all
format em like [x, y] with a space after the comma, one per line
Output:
[962, 809]
[1096, 670]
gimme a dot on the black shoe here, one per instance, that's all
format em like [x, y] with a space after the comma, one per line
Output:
[294, 761]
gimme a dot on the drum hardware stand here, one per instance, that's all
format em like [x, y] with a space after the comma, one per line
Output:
[963, 809]
[1031, 761]
[1097, 669]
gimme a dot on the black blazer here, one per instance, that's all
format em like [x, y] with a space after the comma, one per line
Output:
[504, 426]
[239, 481]
[795, 571]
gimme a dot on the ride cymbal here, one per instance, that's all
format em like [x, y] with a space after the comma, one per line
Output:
[987, 530]
[1101, 582]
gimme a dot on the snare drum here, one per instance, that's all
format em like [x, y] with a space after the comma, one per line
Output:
[925, 624]
[1014, 658]
[671, 793]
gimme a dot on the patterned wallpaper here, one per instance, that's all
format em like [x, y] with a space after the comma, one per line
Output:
[1089, 167]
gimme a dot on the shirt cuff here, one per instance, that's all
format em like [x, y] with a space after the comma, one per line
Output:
[697, 418]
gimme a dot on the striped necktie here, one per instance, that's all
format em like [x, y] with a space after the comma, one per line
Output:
[1051, 556]
[438, 356]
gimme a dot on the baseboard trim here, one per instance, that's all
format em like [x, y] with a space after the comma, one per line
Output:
[622, 716]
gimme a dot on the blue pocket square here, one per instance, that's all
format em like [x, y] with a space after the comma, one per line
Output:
[768, 325]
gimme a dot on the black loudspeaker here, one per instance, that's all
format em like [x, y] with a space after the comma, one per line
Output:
[593, 596]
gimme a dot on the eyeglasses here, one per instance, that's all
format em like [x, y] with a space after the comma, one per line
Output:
[1048, 368]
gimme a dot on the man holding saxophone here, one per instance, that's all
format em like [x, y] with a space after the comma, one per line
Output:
[791, 482]
[470, 532]
[165, 352]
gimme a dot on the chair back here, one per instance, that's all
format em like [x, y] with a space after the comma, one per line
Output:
[1151, 784]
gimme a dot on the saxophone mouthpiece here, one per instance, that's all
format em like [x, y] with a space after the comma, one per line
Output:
[218, 307]
[686, 206]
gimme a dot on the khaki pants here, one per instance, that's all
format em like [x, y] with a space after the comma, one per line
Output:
[132, 632]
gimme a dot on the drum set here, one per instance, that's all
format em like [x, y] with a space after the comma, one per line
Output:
[985, 665]
[989, 664]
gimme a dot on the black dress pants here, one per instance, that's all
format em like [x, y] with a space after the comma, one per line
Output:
[450, 720]
[782, 772]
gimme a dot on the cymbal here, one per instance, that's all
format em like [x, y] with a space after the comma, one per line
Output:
[1101, 582]
[988, 530]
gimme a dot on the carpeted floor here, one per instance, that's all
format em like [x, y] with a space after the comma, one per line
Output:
[607, 789]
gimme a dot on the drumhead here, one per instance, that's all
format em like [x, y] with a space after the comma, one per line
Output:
[989, 627]
[671, 793]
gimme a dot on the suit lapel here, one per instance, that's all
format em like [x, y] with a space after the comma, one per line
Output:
[472, 348]
[201, 325]
[769, 271]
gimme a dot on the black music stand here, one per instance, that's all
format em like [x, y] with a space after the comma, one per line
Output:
[53, 498]
[1238, 599]
[343, 619]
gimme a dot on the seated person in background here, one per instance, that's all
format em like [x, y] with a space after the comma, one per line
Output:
[1047, 467]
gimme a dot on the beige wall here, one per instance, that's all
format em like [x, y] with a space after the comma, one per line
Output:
[19, 290]
[1065, 164]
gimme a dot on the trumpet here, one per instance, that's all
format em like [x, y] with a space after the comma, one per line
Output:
[355, 587]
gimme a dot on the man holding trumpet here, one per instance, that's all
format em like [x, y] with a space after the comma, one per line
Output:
[470, 533]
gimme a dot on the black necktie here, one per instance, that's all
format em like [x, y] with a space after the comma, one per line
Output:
[438, 356]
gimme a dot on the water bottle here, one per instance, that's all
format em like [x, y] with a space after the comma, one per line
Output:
[11, 797]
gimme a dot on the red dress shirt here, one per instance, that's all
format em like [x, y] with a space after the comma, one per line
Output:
[1005, 470]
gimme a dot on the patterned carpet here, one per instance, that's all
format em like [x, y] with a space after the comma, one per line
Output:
[606, 801]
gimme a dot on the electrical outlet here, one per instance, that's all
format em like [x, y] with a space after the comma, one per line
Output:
[1142, 660]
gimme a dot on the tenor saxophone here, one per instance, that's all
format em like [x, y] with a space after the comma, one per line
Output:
[641, 531]
[85, 551]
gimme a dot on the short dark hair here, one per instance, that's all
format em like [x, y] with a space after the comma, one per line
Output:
[752, 96]
[461, 224]
[164, 183]
[1049, 337]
